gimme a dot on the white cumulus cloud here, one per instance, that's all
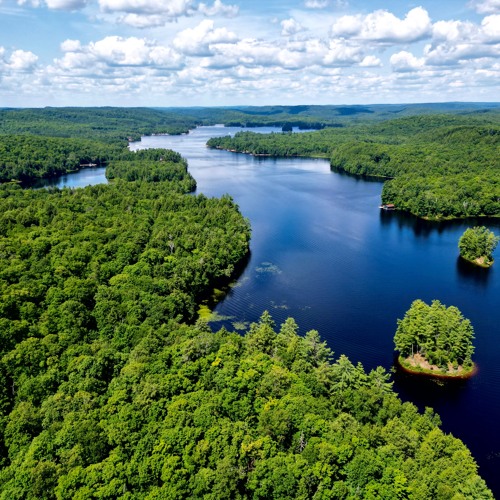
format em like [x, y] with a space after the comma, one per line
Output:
[342, 54]
[453, 31]
[71, 46]
[218, 9]
[290, 27]
[370, 62]
[405, 61]
[456, 41]
[294, 55]
[132, 51]
[121, 51]
[22, 60]
[154, 13]
[199, 41]
[142, 13]
[383, 26]
[113, 52]
[250, 52]
[490, 27]
[446, 54]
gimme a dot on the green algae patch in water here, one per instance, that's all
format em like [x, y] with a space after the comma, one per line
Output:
[206, 314]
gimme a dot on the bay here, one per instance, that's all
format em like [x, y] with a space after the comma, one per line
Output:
[88, 176]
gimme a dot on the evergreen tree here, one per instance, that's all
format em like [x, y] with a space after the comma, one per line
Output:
[439, 334]
[478, 243]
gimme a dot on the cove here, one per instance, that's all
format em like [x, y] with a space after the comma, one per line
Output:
[81, 178]
[323, 252]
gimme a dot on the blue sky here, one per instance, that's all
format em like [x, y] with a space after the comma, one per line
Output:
[230, 52]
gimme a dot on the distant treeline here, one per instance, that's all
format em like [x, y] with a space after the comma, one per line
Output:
[103, 124]
[285, 124]
[440, 166]
[312, 116]
[111, 124]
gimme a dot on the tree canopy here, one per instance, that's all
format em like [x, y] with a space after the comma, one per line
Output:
[187, 413]
[111, 388]
[105, 124]
[477, 244]
[106, 391]
[436, 334]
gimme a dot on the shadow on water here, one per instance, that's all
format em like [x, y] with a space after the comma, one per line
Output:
[222, 287]
[427, 390]
[423, 228]
[357, 177]
[475, 274]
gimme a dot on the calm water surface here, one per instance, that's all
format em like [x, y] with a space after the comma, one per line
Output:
[85, 177]
[324, 253]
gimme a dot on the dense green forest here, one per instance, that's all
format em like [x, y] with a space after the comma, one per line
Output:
[104, 124]
[152, 165]
[111, 387]
[439, 166]
[436, 335]
[28, 157]
[111, 124]
[85, 276]
[323, 116]
[186, 413]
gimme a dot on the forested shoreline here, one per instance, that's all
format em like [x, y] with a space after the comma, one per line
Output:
[438, 166]
[111, 387]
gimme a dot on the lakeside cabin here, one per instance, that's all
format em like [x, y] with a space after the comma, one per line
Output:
[388, 206]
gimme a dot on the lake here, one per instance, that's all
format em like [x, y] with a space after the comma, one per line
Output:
[324, 253]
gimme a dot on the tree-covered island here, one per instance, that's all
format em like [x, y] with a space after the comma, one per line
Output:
[477, 245]
[435, 339]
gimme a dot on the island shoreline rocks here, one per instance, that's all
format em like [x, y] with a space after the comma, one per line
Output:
[482, 262]
[417, 367]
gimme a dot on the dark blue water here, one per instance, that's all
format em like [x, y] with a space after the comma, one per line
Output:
[323, 252]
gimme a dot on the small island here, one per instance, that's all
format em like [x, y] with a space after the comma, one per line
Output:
[477, 245]
[435, 340]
